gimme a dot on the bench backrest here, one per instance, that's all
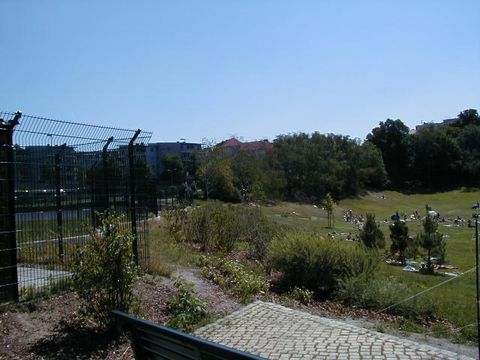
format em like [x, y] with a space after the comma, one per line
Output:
[153, 341]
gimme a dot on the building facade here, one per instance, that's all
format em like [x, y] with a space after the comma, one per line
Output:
[155, 151]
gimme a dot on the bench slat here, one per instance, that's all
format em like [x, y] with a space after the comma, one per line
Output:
[154, 341]
[171, 346]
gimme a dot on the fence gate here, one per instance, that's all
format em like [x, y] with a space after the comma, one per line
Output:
[55, 178]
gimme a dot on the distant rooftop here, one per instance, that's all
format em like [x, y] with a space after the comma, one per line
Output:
[435, 124]
[256, 146]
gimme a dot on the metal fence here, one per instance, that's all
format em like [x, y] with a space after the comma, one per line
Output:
[56, 177]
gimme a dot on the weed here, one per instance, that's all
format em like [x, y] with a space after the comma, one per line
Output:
[380, 328]
[187, 310]
[301, 294]
[232, 276]
[441, 330]
[157, 268]
[410, 326]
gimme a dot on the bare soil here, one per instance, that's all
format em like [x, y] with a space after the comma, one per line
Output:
[219, 303]
[52, 328]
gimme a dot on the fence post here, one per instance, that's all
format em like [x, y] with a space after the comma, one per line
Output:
[155, 202]
[58, 195]
[106, 194]
[8, 241]
[93, 199]
[133, 193]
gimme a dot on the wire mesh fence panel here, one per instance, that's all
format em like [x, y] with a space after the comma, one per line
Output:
[61, 176]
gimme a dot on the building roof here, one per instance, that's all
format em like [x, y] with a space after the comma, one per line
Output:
[248, 146]
[230, 143]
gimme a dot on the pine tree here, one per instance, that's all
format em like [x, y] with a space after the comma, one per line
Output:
[371, 235]
[399, 237]
[431, 240]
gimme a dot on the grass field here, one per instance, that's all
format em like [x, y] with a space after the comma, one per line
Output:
[456, 299]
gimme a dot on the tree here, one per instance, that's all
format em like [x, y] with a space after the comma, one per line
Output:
[431, 240]
[106, 177]
[371, 234]
[173, 169]
[399, 237]
[468, 117]
[371, 169]
[145, 184]
[389, 137]
[330, 206]
[468, 140]
[246, 169]
[316, 164]
[434, 156]
[215, 176]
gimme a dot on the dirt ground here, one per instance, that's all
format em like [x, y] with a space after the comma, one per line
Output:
[51, 328]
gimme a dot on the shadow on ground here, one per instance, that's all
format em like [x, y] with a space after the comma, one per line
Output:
[77, 340]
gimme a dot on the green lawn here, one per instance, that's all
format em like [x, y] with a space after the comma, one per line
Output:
[456, 299]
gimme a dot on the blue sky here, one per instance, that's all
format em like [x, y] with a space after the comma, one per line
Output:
[256, 69]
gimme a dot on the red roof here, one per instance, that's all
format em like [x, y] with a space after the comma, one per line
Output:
[230, 143]
[250, 146]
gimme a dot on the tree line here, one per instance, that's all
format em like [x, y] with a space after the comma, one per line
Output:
[305, 167]
[434, 157]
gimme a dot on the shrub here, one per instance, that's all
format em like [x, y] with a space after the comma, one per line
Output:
[374, 294]
[382, 293]
[232, 276]
[175, 222]
[219, 227]
[255, 229]
[187, 310]
[316, 264]
[104, 271]
[213, 226]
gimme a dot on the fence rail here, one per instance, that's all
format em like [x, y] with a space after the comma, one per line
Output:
[55, 178]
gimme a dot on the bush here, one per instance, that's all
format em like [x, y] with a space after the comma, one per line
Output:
[213, 226]
[381, 293]
[104, 272]
[219, 227]
[256, 230]
[187, 310]
[376, 294]
[316, 264]
[175, 220]
[232, 276]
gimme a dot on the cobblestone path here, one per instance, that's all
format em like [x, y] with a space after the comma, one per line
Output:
[275, 332]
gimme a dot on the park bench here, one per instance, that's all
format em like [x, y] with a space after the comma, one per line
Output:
[154, 341]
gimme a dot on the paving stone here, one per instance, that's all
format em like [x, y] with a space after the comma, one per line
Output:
[277, 332]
